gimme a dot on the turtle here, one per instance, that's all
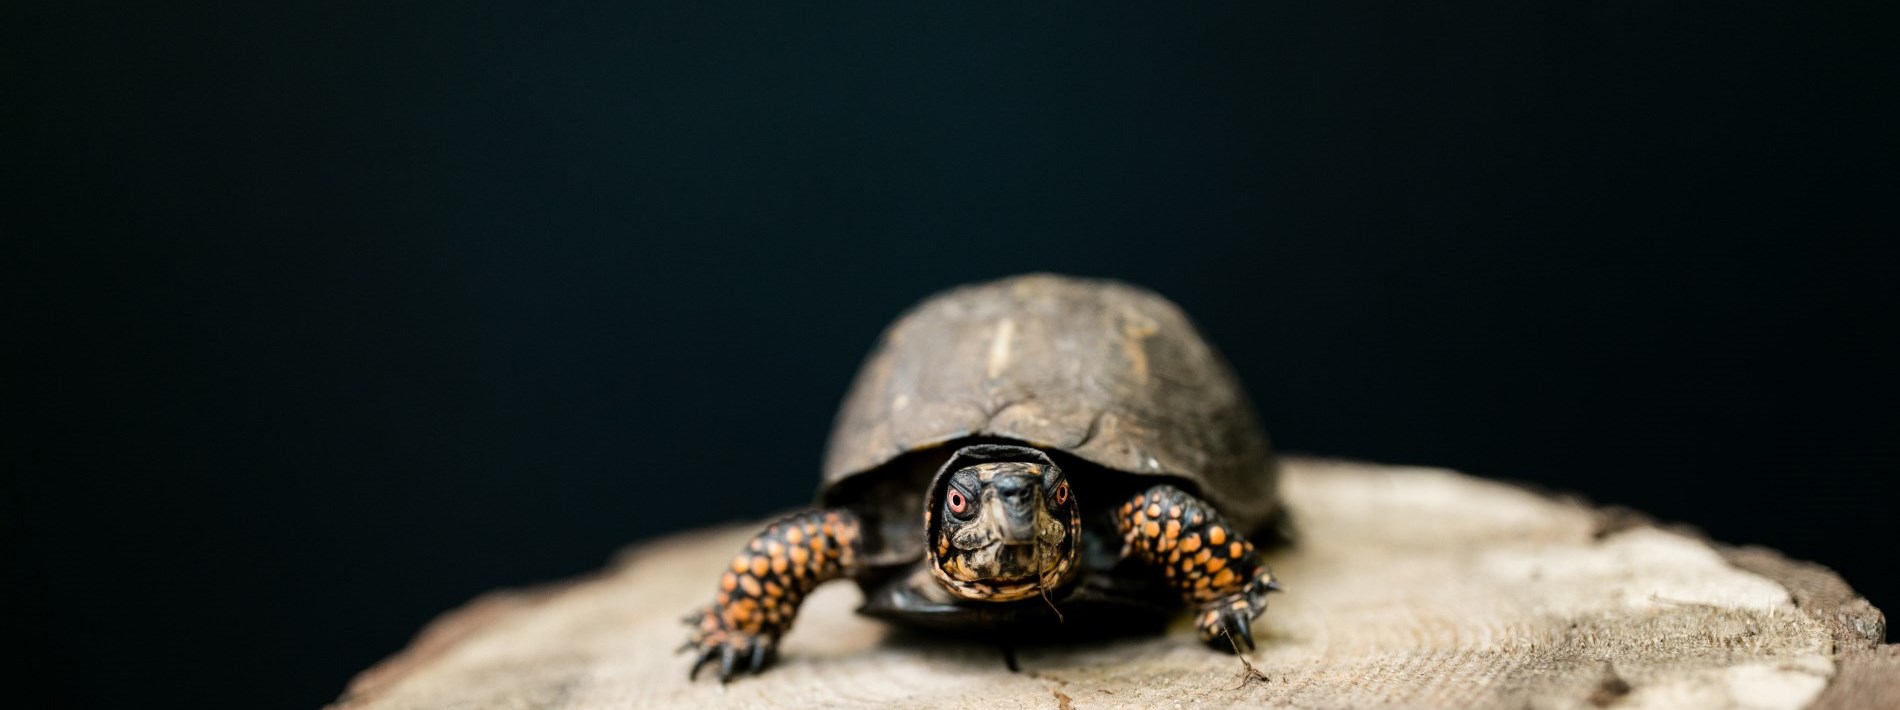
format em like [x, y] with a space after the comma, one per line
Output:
[1032, 453]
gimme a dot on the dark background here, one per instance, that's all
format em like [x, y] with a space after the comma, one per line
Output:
[326, 319]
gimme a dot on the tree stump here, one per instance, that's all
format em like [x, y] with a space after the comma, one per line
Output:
[1406, 587]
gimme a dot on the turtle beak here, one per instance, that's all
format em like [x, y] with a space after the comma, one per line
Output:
[1018, 499]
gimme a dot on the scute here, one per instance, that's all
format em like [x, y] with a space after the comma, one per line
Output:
[1107, 372]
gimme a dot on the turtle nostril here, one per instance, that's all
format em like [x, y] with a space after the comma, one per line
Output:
[1019, 495]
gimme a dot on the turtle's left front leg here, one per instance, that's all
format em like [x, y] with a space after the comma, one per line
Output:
[1211, 564]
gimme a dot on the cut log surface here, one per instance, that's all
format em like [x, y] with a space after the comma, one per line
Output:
[1406, 587]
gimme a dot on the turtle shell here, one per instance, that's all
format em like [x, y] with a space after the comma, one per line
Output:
[1101, 371]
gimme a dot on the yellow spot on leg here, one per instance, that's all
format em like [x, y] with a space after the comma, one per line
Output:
[741, 613]
[1217, 535]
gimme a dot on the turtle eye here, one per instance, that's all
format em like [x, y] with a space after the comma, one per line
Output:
[959, 503]
[1062, 493]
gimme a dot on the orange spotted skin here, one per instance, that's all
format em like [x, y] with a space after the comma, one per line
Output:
[761, 588]
[1201, 556]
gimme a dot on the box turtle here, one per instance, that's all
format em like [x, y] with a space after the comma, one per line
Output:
[1031, 453]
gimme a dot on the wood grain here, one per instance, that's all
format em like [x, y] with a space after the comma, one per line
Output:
[1407, 587]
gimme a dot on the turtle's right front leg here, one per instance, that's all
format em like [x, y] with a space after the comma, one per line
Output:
[762, 587]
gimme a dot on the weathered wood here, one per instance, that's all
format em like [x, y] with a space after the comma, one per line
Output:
[1407, 587]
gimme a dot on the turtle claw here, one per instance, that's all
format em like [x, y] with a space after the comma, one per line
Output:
[735, 652]
[1239, 632]
[728, 662]
[761, 655]
[1227, 624]
[705, 657]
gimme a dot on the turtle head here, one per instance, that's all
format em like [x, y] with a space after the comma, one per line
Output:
[1002, 524]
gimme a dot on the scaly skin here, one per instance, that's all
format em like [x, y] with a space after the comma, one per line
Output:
[1200, 555]
[762, 587]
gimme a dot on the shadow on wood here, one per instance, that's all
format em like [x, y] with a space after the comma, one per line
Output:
[1407, 587]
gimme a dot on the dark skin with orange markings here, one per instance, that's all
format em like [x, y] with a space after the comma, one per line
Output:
[1213, 567]
[761, 589]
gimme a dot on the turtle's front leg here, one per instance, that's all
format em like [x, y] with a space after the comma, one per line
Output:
[761, 589]
[1212, 565]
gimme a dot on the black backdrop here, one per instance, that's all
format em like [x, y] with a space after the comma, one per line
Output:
[327, 318]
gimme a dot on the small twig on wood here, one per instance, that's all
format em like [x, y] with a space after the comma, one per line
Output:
[1251, 673]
